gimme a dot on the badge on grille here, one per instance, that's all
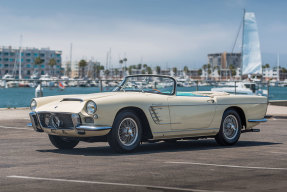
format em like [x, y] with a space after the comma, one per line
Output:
[55, 121]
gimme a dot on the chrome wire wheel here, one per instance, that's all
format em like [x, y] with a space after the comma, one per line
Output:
[230, 127]
[128, 131]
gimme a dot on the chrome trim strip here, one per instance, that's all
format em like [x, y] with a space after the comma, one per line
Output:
[257, 120]
[207, 104]
[92, 128]
[187, 130]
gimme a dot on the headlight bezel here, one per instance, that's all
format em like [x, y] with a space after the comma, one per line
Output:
[33, 105]
[91, 107]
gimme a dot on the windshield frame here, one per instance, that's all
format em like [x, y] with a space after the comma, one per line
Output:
[148, 75]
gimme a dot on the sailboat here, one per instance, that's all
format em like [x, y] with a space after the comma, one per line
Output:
[251, 57]
[251, 54]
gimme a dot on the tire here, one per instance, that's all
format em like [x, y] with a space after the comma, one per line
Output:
[126, 132]
[230, 128]
[63, 142]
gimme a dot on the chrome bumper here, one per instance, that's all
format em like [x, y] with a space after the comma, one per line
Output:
[79, 129]
[257, 120]
[35, 122]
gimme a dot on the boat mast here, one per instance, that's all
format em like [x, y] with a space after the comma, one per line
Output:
[242, 44]
[278, 68]
[71, 51]
[20, 57]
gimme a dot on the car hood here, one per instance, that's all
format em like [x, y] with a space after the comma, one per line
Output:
[68, 103]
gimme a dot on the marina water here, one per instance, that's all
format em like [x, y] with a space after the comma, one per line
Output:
[21, 97]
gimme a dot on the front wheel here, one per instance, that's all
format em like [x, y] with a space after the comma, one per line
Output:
[230, 128]
[126, 133]
[63, 142]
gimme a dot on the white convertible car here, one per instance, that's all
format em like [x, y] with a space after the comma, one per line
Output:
[146, 108]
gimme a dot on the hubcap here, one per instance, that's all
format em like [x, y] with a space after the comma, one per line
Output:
[230, 127]
[128, 131]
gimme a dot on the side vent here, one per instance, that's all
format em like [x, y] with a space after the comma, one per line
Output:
[154, 115]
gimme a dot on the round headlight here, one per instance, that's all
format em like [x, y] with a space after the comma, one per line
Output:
[33, 105]
[91, 107]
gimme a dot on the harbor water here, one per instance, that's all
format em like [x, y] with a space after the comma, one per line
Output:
[21, 97]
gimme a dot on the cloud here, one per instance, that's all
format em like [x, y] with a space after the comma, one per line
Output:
[155, 43]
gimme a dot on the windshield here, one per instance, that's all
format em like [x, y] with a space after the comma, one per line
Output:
[148, 83]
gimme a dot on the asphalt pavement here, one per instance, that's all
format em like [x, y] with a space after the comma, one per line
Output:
[28, 162]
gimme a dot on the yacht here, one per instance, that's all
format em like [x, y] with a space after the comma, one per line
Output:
[241, 88]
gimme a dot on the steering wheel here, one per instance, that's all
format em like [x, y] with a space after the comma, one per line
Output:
[156, 90]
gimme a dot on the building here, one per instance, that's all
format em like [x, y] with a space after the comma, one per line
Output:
[272, 73]
[224, 60]
[10, 59]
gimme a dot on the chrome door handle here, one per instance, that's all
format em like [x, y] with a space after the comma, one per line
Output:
[210, 101]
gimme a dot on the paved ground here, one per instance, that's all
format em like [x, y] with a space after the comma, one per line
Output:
[28, 162]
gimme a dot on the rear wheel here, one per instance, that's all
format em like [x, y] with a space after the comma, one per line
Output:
[126, 133]
[230, 128]
[63, 142]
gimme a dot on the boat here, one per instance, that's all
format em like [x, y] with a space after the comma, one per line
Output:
[8, 81]
[240, 88]
[251, 59]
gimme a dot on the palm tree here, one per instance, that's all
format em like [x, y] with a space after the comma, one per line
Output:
[121, 62]
[38, 61]
[149, 70]
[116, 72]
[139, 66]
[185, 69]
[232, 69]
[130, 69]
[125, 61]
[52, 63]
[199, 72]
[158, 70]
[107, 72]
[82, 65]
[174, 69]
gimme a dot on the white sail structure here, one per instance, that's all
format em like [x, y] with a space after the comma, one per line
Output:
[251, 54]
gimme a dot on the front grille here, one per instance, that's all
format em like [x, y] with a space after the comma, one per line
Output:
[56, 120]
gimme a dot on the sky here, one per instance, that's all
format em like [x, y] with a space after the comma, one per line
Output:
[168, 33]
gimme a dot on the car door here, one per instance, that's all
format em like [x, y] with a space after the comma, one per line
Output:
[187, 112]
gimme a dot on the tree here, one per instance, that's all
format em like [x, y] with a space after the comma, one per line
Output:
[38, 61]
[139, 66]
[174, 69]
[158, 70]
[125, 61]
[130, 69]
[117, 72]
[284, 70]
[82, 65]
[199, 72]
[204, 67]
[145, 66]
[107, 72]
[52, 63]
[149, 70]
[232, 69]
[185, 69]
[208, 69]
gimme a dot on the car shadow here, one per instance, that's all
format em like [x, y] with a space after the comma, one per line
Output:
[162, 147]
